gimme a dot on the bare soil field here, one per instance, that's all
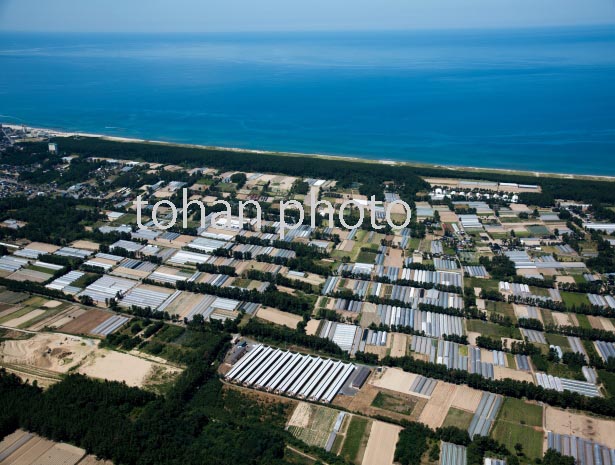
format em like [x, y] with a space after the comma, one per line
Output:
[86, 322]
[42, 247]
[54, 352]
[59, 319]
[394, 379]
[561, 319]
[29, 275]
[394, 258]
[118, 366]
[439, 403]
[312, 327]
[466, 398]
[399, 344]
[599, 322]
[381, 444]
[505, 372]
[87, 245]
[566, 422]
[52, 304]
[278, 317]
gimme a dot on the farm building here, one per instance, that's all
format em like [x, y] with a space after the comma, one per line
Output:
[292, 374]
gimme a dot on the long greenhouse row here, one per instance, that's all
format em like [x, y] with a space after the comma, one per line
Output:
[296, 375]
[433, 324]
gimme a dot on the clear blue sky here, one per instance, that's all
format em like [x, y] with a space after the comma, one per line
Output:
[273, 15]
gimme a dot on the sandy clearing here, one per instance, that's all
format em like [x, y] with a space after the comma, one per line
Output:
[301, 415]
[565, 422]
[607, 324]
[55, 352]
[42, 247]
[486, 355]
[437, 408]
[87, 245]
[594, 322]
[381, 444]
[472, 335]
[394, 379]
[505, 372]
[15, 322]
[52, 304]
[399, 344]
[278, 317]
[312, 327]
[394, 258]
[118, 366]
[561, 319]
[466, 398]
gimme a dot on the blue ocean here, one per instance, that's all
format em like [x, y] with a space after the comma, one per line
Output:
[532, 99]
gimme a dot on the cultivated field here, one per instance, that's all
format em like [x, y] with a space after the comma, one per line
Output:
[437, 407]
[86, 322]
[312, 423]
[394, 379]
[23, 448]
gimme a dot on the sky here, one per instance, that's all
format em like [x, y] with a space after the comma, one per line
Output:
[160, 16]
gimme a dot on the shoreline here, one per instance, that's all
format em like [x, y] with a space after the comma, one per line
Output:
[470, 169]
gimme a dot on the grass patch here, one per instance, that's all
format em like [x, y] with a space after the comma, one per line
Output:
[355, 438]
[242, 282]
[608, 380]
[558, 340]
[583, 321]
[510, 434]
[493, 330]
[574, 299]
[458, 418]
[393, 403]
[366, 257]
[517, 411]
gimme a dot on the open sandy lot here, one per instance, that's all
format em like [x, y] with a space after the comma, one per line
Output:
[54, 352]
[312, 327]
[118, 366]
[394, 379]
[42, 247]
[381, 444]
[87, 245]
[565, 422]
[279, 317]
[599, 322]
[394, 258]
[399, 344]
[466, 398]
[561, 319]
[52, 304]
[505, 372]
[437, 408]
[301, 415]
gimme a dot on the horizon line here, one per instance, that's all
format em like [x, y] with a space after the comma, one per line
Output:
[322, 30]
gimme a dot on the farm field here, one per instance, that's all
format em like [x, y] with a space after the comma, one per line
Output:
[510, 434]
[380, 449]
[25, 448]
[312, 423]
[458, 418]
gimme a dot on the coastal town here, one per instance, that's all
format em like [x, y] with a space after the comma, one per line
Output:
[481, 332]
